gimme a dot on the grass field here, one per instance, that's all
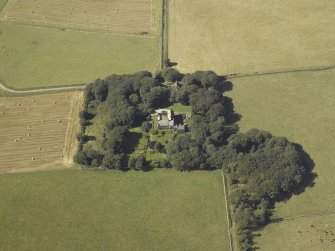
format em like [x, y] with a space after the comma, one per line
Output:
[300, 106]
[85, 210]
[38, 132]
[120, 16]
[39, 57]
[250, 36]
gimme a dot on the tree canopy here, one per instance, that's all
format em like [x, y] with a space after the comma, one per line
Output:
[260, 167]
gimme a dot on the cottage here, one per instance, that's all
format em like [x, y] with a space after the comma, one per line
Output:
[166, 119]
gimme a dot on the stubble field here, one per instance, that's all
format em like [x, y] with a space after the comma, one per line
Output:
[299, 106]
[119, 16]
[251, 36]
[38, 132]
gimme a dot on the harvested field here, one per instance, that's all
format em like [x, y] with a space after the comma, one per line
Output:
[251, 36]
[301, 107]
[38, 132]
[119, 16]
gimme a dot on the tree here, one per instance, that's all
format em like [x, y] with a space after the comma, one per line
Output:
[88, 94]
[132, 163]
[159, 147]
[81, 158]
[81, 137]
[116, 138]
[171, 74]
[114, 161]
[100, 90]
[146, 126]
[134, 99]
[141, 163]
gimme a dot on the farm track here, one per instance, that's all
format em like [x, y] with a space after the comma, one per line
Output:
[42, 90]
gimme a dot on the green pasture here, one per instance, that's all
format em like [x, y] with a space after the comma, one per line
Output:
[87, 210]
[300, 106]
[32, 57]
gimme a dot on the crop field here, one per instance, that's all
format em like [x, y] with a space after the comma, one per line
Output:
[86, 210]
[40, 57]
[300, 106]
[118, 16]
[38, 132]
[251, 36]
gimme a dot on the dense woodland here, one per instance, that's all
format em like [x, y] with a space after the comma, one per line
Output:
[260, 168]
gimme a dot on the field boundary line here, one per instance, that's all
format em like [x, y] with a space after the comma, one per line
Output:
[302, 216]
[69, 29]
[227, 213]
[308, 69]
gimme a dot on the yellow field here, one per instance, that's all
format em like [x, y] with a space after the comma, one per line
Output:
[248, 36]
[38, 132]
[119, 16]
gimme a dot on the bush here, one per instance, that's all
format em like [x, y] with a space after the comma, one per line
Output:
[146, 126]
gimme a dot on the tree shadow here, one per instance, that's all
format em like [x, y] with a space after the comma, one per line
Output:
[230, 115]
[171, 64]
[91, 138]
[224, 85]
[133, 140]
[309, 164]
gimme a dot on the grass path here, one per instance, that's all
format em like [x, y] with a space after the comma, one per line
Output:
[66, 88]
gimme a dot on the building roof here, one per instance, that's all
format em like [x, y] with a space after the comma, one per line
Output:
[165, 123]
[167, 111]
[179, 128]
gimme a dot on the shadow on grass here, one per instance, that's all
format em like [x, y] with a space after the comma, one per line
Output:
[133, 140]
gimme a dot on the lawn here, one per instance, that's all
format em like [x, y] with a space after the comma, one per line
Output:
[301, 107]
[33, 57]
[248, 36]
[86, 210]
[179, 108]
